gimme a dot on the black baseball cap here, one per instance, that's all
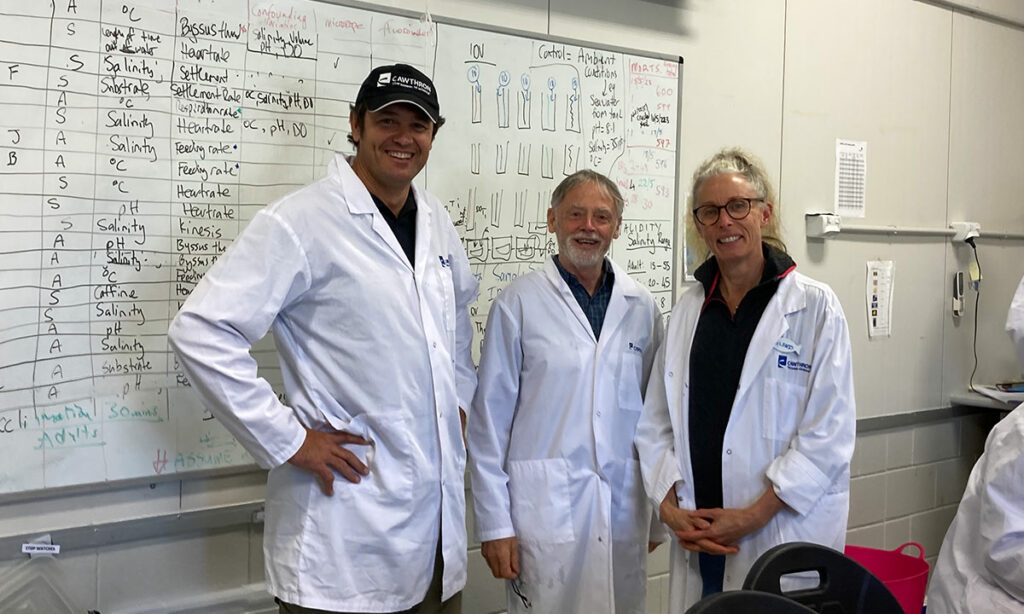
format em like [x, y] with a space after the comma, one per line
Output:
[387, 85]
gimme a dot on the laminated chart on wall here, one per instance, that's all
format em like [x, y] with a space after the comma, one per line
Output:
[537, 112]
[138, 137]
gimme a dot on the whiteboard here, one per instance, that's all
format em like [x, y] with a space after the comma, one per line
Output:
[137, 139]
[530, 112]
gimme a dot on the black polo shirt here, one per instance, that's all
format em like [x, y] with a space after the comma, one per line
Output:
[403, 224]
[716, 361]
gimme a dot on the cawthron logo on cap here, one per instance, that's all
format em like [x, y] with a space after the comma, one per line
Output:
[383, 79]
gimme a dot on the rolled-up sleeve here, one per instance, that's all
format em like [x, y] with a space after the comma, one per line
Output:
[820, 452]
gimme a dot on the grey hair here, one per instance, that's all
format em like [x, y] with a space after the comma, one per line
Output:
[735, 160]
[603, 183]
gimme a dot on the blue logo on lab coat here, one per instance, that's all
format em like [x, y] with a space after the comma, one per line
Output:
[445, 262]
[794, 365]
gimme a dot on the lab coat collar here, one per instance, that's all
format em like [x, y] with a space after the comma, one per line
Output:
[359, 202]
[623, 290]
[778, 264]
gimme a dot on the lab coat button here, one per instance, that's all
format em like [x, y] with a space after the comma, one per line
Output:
[435, 345]
[600, 539]
[598, 414]
[729, 451]
[670, 374]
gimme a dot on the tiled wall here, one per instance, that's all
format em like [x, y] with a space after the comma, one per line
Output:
[907, 482]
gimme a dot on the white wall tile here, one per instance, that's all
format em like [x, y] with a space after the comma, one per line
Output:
[867, 500]
[909, 491]
[869, 456]
[897, 532]
[929, 528]
[952, 479]
[872, 536]
[899, 448]
[936, 441]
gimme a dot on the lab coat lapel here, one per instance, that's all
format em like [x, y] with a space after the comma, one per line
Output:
[423, 239]
[359, 202]
[624, 291]
[773, 325]
[562, 288]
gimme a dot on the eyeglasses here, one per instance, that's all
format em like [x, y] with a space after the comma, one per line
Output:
[737, 208]
[517, 587]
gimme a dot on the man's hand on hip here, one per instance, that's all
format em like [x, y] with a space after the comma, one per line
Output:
[321, 454]
[502, 556]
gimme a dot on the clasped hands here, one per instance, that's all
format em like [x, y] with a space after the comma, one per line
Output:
[716, 531]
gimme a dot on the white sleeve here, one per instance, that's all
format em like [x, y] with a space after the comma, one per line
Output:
[1015, 322]
[657, 338]
[655, 441]
[821, 451]
[490, 423]
[1001, 529]
[232, 307]
[466, 287]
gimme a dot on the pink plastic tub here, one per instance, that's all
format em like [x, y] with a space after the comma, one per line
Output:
[905, 576]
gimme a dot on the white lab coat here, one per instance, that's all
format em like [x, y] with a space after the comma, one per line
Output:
[551, 442]
[980, 568]
[792, 427]
[1015, 321]
[367, 345]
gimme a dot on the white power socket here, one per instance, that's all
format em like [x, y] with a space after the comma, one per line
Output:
[965, 230]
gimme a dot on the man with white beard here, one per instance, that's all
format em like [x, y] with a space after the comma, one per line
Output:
[559, 502]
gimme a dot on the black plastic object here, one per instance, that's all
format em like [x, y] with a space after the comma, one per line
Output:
[845, 586]
[747, 602]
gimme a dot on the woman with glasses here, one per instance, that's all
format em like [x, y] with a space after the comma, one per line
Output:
[749, 421]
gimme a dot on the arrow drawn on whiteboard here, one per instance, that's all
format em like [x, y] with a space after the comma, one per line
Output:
[161, 461]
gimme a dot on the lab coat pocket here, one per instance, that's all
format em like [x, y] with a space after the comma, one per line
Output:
[782, 405]
[630, 371]
[539, 493]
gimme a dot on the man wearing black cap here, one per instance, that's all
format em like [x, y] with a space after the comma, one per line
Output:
[366, 285]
